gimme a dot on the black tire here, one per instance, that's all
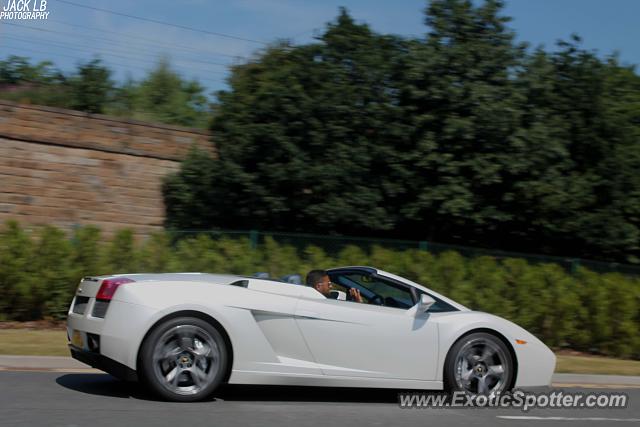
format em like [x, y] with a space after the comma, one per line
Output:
[474, 362]
[183, 359]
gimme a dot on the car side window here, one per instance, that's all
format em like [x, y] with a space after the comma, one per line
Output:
[374, 290]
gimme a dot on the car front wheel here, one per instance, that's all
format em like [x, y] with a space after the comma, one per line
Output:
[479, 363]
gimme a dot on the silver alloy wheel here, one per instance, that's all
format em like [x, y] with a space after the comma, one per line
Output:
[481, 367]
[186, 359]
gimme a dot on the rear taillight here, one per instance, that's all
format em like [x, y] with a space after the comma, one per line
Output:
[109, 287]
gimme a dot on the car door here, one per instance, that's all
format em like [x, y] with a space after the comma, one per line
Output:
[368, 340]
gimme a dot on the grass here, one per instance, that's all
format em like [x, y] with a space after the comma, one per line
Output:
[41, 342]
[569, 364]
[53, 342]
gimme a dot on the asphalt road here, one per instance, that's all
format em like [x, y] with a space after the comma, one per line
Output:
[90, 399]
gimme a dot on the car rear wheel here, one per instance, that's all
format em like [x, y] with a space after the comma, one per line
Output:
[479, 363]
[184, 359]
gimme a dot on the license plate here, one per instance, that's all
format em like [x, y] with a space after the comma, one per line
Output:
[77, 339]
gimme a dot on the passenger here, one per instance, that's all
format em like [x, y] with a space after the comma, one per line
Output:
[319, 280]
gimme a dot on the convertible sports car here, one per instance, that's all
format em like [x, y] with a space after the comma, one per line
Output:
[184, 334]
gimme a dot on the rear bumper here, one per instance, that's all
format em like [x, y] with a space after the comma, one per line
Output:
[120, 333]
[103, 363]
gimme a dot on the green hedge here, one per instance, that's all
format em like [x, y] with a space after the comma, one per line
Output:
[584, 310]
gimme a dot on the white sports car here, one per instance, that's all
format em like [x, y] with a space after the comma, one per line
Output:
[184, 334]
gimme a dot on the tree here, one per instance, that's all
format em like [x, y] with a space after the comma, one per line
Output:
[91, 87]
[298, 135]
[579, 131]
[460, 94]
[460, 137]
[164, 96]
[190, 195]
[41, 83]
[17, 69]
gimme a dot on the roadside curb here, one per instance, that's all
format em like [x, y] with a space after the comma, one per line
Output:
[40, 363]
[67, 364]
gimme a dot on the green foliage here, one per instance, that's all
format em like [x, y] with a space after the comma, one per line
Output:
[450, 277]
[279, 260]
[196, 254]
[187, 194]
[88, 89]
[33, 84]
[463, 136]
[352, 255]
[490, 289]
[526, 289]
[120, 255]
[594, 316]
[311, 258]
[162, 96]
[621, 309]
[155, 253]
[579, 132]
[561, 301]
[293, 149]
[17, 69]
[463, 102]
[86, 254]
[236, 256]
[16, 254]
[165, 97]
[418, 266]
[92, 87]
[584, 311]
[53, 275]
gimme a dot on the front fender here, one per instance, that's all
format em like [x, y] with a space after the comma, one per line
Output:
[535, 361]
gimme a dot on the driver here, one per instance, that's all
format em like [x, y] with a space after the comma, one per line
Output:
[319, 280]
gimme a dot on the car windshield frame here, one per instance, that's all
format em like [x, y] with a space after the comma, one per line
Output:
[440, 306]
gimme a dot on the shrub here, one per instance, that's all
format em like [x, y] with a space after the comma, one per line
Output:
[584, 310]
[16, 255]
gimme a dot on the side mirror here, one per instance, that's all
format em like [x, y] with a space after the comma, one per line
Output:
[339, 295]
[421, 306]
[424, 303]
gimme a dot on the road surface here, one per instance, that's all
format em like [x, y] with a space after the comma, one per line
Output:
[39, 398]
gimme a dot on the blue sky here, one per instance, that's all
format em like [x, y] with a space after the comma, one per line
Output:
[131, 47]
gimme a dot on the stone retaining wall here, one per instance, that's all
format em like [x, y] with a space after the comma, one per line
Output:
[68, 168]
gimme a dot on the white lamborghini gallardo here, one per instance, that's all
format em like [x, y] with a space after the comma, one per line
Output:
[184, 334]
